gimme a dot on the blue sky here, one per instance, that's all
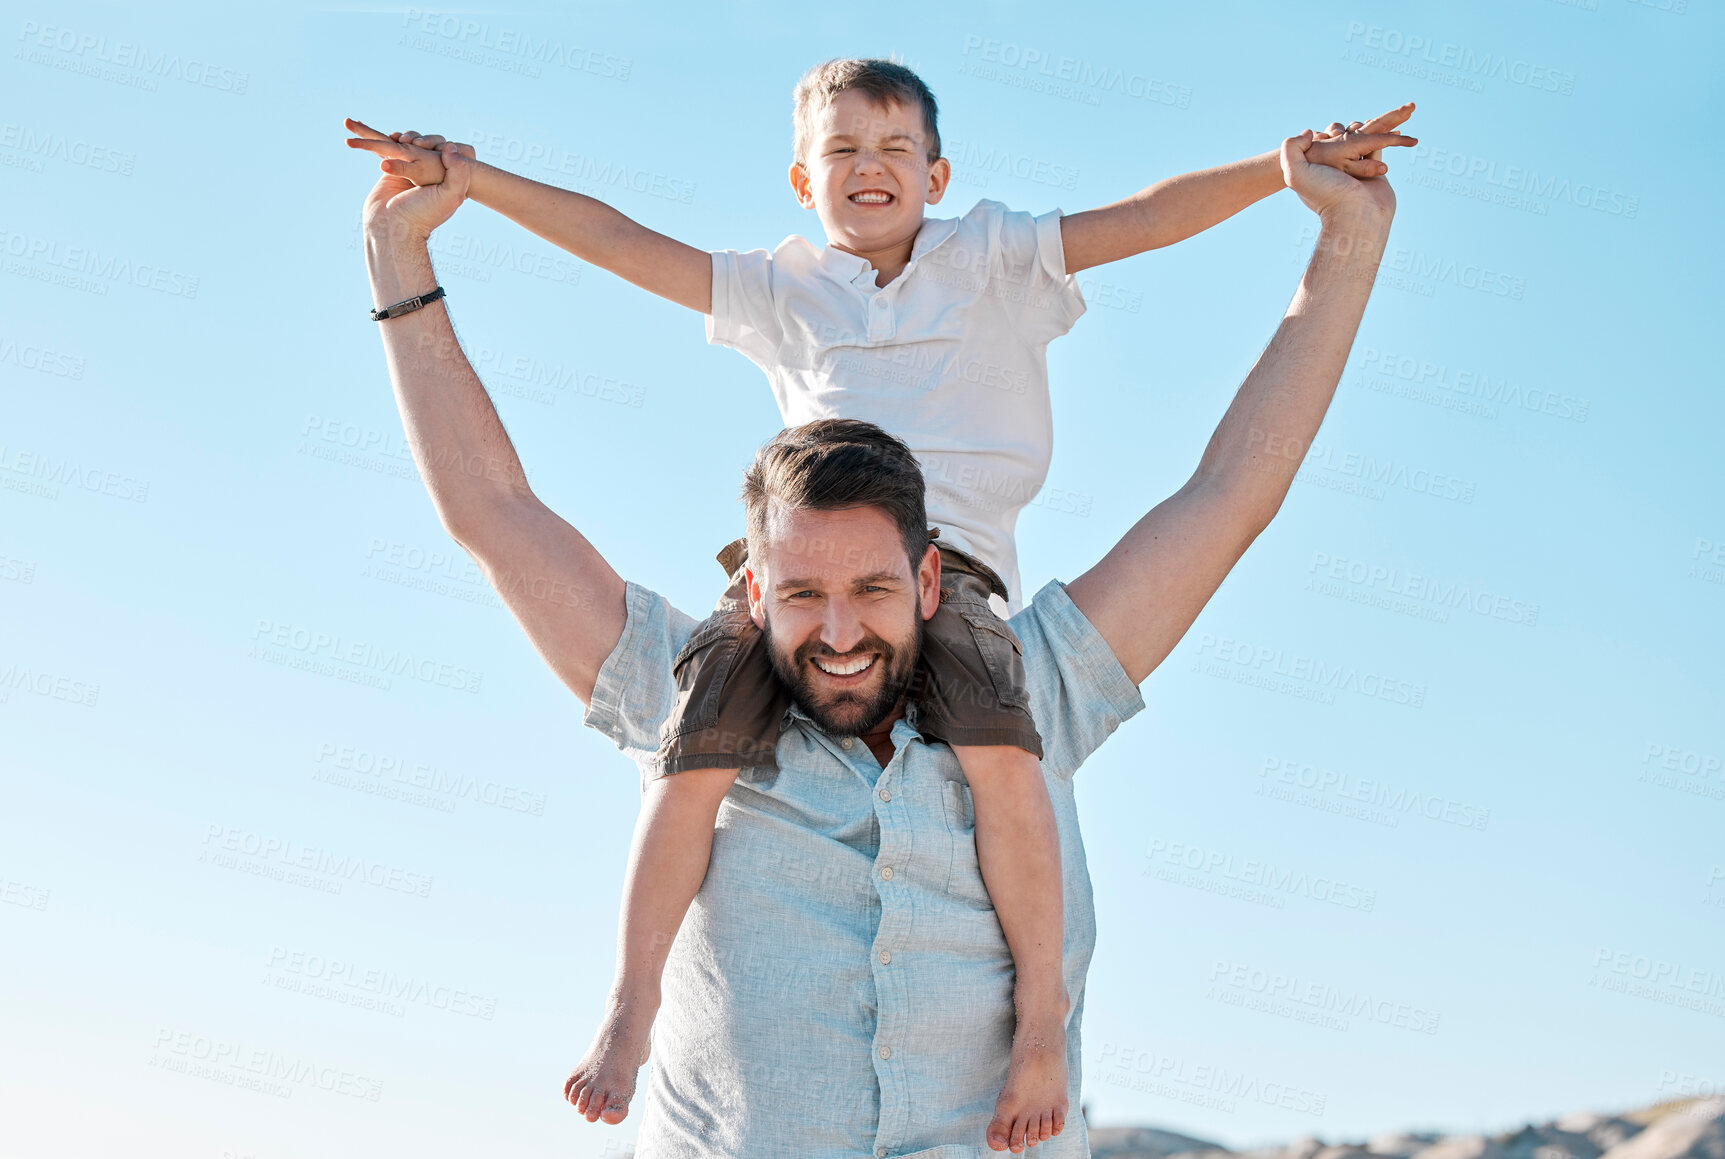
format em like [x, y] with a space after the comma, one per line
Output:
[1507, 549]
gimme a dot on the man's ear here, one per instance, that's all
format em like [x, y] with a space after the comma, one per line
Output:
[757, 599]
[939, 175]
[928, 583]
[801, 186]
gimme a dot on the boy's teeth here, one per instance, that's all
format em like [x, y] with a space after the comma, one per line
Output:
[843, 667]
[871, 198]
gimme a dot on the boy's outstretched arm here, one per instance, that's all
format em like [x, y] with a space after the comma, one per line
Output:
[1175, 209]
[584, 226]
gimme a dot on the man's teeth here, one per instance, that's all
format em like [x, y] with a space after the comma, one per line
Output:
[843, 667]
[871, 198]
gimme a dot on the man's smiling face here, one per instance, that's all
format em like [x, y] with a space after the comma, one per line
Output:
[843, 612]
[867, 173]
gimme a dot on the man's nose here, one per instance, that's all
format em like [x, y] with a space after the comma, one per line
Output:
[841, 629]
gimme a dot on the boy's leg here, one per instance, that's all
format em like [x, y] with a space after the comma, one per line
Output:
[1018, 850]
[971, 694]
[667, 862]
[730, 703]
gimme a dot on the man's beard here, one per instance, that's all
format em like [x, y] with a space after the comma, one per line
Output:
[850, 712]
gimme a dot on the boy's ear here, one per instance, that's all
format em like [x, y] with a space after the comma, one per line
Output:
[800, 185]
[939, 174]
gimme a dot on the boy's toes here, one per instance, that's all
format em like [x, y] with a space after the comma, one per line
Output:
[998, 1131]
[616, 1109]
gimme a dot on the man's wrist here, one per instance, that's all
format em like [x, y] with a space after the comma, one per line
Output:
[1351, 242]
[1363, 225]
[1354, 213]
[387, 235]
[399, 259]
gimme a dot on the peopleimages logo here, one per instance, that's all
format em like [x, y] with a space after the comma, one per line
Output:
[47, 146]
[1468, 62]
[1422, 589]
[469, 39]
[1262, 875]
[85, 51]
[1205, 1083]
[1525, 180]
[233, 1063]
[105, 267]
[288, 854]
[1420, 373]
[1042, 71]
[1321, 997]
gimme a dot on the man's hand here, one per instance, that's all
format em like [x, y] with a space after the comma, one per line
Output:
[410, 155]
[401, 210]
[1326, 188]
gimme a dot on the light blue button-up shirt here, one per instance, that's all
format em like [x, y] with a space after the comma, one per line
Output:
[841, 985]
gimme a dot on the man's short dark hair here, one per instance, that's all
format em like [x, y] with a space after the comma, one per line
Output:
[832, 465]
[885, 82]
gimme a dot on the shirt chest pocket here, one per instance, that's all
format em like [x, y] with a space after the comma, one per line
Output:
[964, 874]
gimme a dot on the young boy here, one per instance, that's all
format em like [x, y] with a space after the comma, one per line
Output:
[936, 330]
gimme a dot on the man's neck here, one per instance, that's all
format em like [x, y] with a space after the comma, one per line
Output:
[879, 738]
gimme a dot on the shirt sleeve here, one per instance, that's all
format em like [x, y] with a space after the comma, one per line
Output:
[743, 317]
[1079, 693]
[1031, 275]
[635, 691]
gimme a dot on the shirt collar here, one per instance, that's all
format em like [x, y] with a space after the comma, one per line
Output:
[904, 728]
[850, 268]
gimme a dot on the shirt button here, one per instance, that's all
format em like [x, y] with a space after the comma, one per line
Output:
[846, 743]
[885, 957]
[886, 1052]
[880, 1153]
[886, 794]
[886, 872]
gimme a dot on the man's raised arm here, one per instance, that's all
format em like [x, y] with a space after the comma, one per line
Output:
[1147, 591]
[566, 597]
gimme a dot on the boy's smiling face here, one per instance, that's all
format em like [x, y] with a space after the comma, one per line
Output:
[867, 174]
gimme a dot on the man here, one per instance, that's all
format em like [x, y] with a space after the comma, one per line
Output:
[841, 986]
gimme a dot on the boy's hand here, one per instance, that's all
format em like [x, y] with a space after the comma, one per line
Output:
[408, 154]
[1354, 148]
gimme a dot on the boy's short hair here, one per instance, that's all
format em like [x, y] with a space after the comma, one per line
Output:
[834, 465]
[884, 81]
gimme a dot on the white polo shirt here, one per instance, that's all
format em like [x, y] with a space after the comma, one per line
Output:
[951, 357]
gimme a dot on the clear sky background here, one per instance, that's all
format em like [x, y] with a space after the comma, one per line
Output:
[1498, 884]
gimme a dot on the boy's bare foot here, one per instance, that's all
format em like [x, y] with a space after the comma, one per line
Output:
[1031, 1108]
[603, 1083]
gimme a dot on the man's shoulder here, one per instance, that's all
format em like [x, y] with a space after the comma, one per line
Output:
[1079, 693]
[653, 621]
[634, 692]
